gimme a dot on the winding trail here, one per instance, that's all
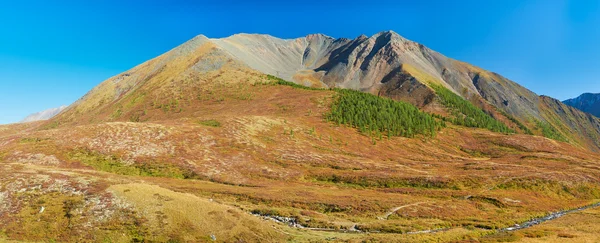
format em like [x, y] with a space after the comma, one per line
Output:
[394, 210]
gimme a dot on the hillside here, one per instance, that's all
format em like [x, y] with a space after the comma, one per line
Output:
[267, 149]
[209, 142]
[587, 102]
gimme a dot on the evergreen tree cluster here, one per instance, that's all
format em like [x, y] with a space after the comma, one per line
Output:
[466, 114]
[377, 116]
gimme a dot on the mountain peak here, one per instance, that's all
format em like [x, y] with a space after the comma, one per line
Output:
[587, 102]
[200, 37]
[387, 33]
[389, 36]
[590, 94]
[318, 35]
[263, 36]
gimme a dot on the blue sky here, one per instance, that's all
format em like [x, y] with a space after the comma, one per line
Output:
[53, 52]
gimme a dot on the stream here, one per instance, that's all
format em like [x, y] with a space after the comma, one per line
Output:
[549, 217]
[292, 222]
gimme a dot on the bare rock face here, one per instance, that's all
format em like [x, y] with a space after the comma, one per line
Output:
[43, 115]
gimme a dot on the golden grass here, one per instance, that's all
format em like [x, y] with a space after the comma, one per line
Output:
[423, 77]
[55, 222]
[309, 78]
[192, 219]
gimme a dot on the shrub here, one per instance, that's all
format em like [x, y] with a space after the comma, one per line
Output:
[115, 165]
[210, 123]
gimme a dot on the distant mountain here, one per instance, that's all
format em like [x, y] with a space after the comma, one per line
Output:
[587, 102]
[44, 115]
[384, 64]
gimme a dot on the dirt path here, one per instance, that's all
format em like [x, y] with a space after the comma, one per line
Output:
[394, 210]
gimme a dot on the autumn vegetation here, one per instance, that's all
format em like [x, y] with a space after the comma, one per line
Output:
[225, 158]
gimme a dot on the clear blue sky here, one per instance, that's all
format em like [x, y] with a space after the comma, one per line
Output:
[53, 52]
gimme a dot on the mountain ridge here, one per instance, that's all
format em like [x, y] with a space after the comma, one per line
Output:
[383, 64]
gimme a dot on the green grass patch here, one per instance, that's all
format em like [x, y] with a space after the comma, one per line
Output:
[466, 114]
[113, 164]
[550, 131]
[117, 113]
[210, 123]
[502, 237]
[554, 188]
[522, 126]
[50, 126]
[32, 140]
[363, 181]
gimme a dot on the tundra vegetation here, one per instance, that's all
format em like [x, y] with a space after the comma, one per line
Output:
[242, 161]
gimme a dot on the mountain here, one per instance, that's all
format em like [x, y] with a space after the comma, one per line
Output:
[384, 64]
[44, 115]
[587, 102]
[252, 138]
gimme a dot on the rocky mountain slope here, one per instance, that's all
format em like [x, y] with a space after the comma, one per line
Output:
[587, 102]
[44, 115]
[384, 64]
